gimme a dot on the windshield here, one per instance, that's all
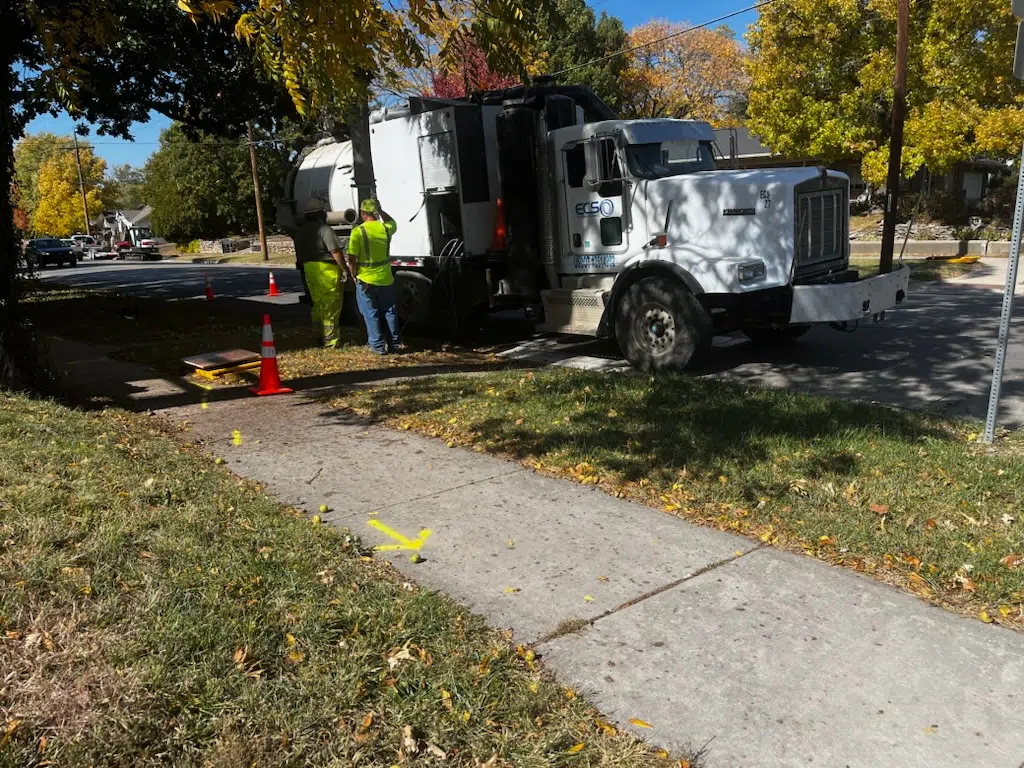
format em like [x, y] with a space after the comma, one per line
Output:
[669, 158]
[145, 232]
[47, 244]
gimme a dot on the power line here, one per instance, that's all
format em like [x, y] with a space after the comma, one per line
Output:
[663, 39]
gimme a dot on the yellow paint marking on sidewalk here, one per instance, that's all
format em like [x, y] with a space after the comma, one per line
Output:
[404, 542]
[236, 437]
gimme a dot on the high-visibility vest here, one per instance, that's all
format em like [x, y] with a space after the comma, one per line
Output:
[373, 261]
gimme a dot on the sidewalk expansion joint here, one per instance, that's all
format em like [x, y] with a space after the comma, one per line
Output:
[449, 490]
[653, 593]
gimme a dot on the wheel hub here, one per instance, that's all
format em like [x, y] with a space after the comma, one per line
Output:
[658, 328]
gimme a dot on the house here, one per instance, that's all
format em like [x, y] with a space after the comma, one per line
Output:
[740, 148]
[115, 225]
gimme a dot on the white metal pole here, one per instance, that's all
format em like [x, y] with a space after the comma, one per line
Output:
[1007, 312]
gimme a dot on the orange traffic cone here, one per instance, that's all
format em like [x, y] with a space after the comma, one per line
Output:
[209, 288]
[270, 381]
[273, 287]
[498, 243]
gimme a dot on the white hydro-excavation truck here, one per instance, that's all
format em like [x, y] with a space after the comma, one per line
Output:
[615, 228]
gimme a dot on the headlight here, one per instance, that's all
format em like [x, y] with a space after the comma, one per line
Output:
[755, 270]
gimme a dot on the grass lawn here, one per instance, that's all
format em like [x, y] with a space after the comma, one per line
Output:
[912, 499]
[157, 610]
[160, 333]
[921, 271]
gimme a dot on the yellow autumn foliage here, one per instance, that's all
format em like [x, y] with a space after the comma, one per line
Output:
[59, 210]
[694, 74]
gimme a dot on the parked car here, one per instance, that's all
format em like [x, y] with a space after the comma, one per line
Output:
[87, 244]
[45, 251]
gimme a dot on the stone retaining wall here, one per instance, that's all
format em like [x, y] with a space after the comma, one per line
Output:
[920, 248]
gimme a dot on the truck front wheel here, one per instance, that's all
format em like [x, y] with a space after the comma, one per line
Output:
[661, 326]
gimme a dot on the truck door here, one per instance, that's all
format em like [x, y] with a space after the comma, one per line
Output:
[594, 198]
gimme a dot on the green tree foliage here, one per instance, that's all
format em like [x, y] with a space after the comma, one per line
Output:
[326, 53]
[569, 34]
[822, 72]
[59, 210]
[201, 186]
[125, 187]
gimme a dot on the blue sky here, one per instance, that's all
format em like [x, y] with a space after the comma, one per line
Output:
[147, 135]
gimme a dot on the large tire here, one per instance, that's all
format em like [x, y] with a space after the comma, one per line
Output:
[775, 334]
[661, 326]
[413, 291]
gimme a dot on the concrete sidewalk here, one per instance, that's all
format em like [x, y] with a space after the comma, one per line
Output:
[776, 660]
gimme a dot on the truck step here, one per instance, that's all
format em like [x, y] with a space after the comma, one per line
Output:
[576, 311]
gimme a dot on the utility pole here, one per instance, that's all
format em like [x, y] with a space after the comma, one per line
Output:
[899, 111]
[259, 196]
[81, 185]
[1013, 263]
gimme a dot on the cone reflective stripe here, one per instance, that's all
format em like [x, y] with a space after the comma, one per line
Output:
[270, 380]
[273, 287]
[209, 287]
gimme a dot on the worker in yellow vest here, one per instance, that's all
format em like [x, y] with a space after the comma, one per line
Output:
[369, 259]
[319, 255]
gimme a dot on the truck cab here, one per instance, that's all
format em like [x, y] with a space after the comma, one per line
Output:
[662, 250]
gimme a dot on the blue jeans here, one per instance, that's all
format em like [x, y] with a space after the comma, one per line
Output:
[373, 301]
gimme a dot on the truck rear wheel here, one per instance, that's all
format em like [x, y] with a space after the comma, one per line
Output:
[661, 326]
[775, 334]
[413, 293]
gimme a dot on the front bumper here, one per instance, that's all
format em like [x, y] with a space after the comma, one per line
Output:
[844, 302]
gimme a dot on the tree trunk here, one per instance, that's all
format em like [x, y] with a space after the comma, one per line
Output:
[19, 358]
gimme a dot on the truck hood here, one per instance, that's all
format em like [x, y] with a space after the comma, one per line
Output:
[717, 220]
[791, 176]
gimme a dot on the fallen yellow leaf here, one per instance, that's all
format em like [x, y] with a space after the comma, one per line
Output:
[588, 598]
[574, 749]
[639, 723]
[662, 753]
[985, 617]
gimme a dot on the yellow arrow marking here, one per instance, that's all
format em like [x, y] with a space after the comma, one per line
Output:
[403, 541]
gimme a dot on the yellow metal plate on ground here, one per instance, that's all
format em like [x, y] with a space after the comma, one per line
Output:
[214, 373]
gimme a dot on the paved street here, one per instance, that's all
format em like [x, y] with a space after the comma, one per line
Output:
[177, 278]
[936, 352]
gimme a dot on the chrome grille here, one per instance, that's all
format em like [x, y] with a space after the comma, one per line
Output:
[822, 231]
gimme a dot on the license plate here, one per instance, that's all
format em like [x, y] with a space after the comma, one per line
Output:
[594, 261]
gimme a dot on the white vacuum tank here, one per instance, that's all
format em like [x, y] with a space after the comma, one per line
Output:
[326, 173]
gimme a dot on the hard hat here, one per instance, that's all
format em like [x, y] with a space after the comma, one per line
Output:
[370, 205]
[314, 205]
